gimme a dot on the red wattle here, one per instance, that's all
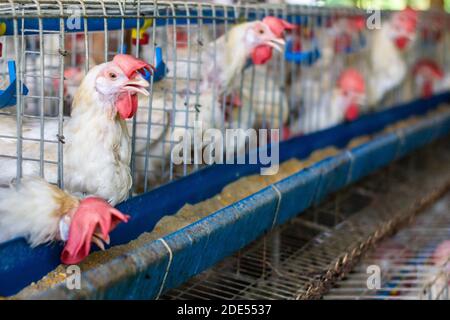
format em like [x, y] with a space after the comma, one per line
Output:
[127, 105]
[182, 39]
[261, 54]
[427, 90]
[401, 42]
[352, 112]
[287, 133]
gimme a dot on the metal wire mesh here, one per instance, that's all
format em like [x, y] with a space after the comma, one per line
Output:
[408, 269]
[297, 257]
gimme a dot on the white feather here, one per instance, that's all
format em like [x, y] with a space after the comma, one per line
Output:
[221, 61]
[225, 58]
[267, 102]
[29, 211]
[176, 121]
[97, 152]
[387, 66]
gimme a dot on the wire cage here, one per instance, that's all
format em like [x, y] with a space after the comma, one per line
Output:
[326, 75]
[412, 268]
[52, 44]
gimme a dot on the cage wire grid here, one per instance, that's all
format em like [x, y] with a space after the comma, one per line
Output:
[317, 254]
[182, 30]
[406, 262]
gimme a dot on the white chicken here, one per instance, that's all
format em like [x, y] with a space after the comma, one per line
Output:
[311, 84]
[387, 64]
[97, 149]
[185, 62]
[429, 78]
[250, 40]
[340, 104]
[97, 156]
[263, 103]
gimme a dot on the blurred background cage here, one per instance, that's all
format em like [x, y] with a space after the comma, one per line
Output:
[325, 77]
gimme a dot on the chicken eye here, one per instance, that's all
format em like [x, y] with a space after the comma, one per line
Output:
[261, 31]
[112, 75]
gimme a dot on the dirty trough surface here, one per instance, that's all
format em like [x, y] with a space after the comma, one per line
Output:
[244, 187]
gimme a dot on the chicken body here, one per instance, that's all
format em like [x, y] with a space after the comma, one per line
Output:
[97, 156]
[265, 106]
[221, 62]
[387, 65]
[168, 125]
[225, 58]
[313, 96]
[326, 111]
[97, 150]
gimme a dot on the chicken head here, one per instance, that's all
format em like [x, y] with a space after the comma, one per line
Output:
[352, 88]
[122, 79]
[267, 35]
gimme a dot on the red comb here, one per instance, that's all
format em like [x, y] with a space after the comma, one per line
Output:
[92, 215]
[277, 25]
[352, 112]
[357, 23]
[130, 65]
[407, 18]
[352, 80]
[430, 67]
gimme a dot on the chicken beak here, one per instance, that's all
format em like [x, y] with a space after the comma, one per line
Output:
[277, 44]
[137, 85]
[99, 241]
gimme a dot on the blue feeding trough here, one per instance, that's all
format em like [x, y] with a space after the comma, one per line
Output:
[8, 96]
[302, 57]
